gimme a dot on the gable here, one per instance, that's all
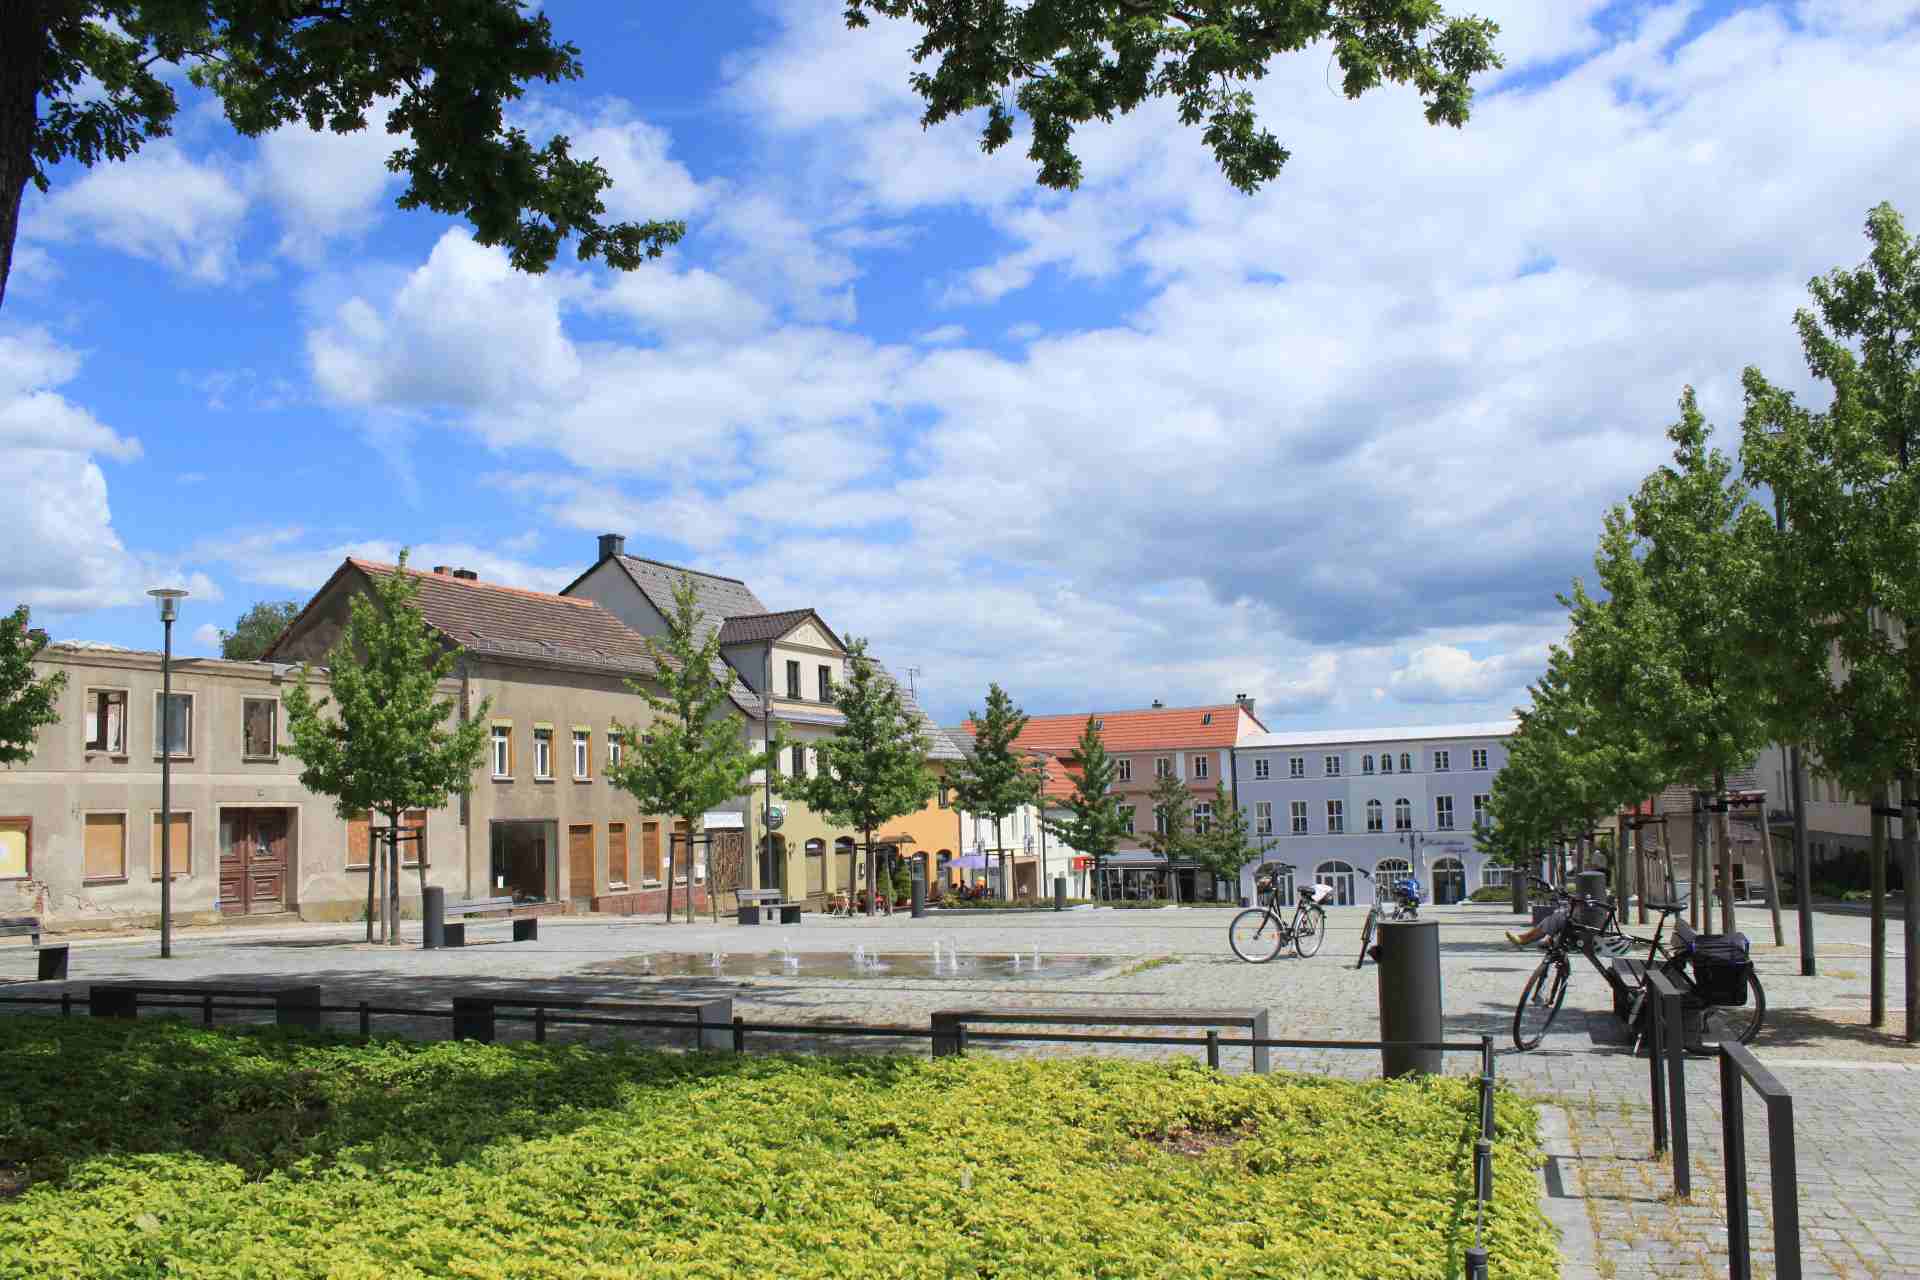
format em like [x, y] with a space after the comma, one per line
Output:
[808, 634]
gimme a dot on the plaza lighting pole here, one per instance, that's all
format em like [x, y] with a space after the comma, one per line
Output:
[168, 599]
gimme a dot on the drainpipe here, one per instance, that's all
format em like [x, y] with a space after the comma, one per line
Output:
[466, 800]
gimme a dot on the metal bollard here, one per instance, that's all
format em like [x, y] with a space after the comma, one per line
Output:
[1213, 1048]
[1409, 984]
[919, 895]
[1059, 893]
[433, 918]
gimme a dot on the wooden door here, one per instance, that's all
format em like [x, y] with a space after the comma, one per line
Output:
[267, 862]
[580, 862]
[236, 831]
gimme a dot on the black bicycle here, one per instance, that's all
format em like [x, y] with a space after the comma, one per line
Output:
[1258, 933]
[1722, 995]
[1390, 902]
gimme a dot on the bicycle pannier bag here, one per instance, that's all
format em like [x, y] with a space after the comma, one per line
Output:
[1720, 967]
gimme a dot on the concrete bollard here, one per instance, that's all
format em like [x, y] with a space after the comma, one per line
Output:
[1059, 893]
[1409, 983]
[433, 918]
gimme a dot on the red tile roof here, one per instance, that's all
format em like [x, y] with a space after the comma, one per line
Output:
[1171, 728]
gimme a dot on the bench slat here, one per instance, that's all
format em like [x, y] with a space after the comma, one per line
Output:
[1108, 1017]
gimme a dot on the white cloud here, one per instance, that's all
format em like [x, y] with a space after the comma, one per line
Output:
[648, 183]
[943, 335]
[327, 185]
[159, 204]
[284, 559]
[1444, 674]
[207, 636]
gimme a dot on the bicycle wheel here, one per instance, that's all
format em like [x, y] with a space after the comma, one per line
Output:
[1540, 1002]
[1366, 934]
[1256, 935]
[1734, 1024]
[1310, 928]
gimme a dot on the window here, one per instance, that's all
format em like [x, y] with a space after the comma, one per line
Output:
[650, 852]
[1297, 816]
[1406, 762]
[1366, 764]
[1386, 762]
[16, 848]
[178, 727]
[1443, 813]
[1336, 816]
[1163, 766]
[946, 796]
[107, 721]
[616, 853]
[1332, 764]
[582, 754]
[1202, 818]
[826, 684]
[105, 850]
[1376, 816]
[180, 850]
[1496, 877]
[793, 678]
[1126, 817]
[1123, 770]
[1479, 757]
[542, 754]
[1441, 760]
[1263, 817]
[1098, 725]
[1403, 814]
[259, 721]
[1296, 766]
[1160, 821]
[413, 846]
[799, 764]
[1199, 766]
[615, 745]
[1480, 804]
[503, 751]
[1260, 770]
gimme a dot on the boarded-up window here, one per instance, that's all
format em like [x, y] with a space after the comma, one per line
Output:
[414, 851]
[360, 833]
[616, 853]
[180, 855]
[650, 851]
[106, 846]
[16, 848]
[359, 841]
[682, 852]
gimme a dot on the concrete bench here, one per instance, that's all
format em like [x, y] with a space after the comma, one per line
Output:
[764, 906]
[292, 1006]
[947, 1023]
[52, 957]
[526, 928]
[474, 1017]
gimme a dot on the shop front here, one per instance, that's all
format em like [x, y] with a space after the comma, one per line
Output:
[524, 861]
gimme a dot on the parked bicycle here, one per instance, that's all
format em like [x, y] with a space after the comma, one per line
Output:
[1258, 933]
[1397, 900]
[1713, 972]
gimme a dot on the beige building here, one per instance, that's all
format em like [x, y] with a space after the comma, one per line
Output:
[80, 820]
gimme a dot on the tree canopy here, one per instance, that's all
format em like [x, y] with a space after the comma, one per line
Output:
[27, 702]
[256, 629]
[83, 82]
[997, 776]
[1094, 825]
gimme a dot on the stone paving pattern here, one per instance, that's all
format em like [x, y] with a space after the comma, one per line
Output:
[1856, 1091]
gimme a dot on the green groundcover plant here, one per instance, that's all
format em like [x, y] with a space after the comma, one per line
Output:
[158, 1149]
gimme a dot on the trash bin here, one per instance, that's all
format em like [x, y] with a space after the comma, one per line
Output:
[433, 918]
[1409, 985]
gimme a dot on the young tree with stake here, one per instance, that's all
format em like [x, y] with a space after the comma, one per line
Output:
[1095, 825]
[997, 777]
[1173, 836]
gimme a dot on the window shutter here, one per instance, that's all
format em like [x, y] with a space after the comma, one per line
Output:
[106, 846]
[182, 852]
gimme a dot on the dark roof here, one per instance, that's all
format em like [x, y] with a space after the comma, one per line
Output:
[757, 627]
[719, 598]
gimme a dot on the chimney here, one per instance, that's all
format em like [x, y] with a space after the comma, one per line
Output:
[466, 575]
[1245, 702]
[442, 570]
[1157, 704]
[612, 544]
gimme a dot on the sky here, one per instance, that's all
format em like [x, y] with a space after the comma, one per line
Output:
[1335, 445]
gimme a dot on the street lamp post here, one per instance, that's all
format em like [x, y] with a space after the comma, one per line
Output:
[168, 599]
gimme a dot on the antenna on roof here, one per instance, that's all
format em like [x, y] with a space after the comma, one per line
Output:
[911, 673]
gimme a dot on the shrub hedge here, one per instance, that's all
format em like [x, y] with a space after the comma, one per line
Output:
[158, 1149]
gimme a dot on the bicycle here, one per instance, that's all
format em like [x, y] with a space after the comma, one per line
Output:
[1726, 1016]
[1258, 933]
[1402, 900]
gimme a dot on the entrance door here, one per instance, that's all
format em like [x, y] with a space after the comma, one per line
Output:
[1449, 882]
[253, 861]
[1340, 875]
[580, 866]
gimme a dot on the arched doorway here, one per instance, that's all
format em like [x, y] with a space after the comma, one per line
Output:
[944, 874]
[1449, 881]
[1387, 870]
[816, 866]
[845, 850]
[1340, 876]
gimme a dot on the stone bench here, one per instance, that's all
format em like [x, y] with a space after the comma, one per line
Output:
[292, 1006]
[474, 1017]
[52, 957]
[764, 906]
[526, 926]
[947, 1023]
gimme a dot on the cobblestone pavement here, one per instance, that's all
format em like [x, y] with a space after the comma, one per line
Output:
[1856, 1090]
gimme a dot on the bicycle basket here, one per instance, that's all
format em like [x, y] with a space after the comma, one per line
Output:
[1720, 967]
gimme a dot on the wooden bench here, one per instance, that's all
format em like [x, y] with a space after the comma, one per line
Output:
[947, 1023]
[52, 957]
[764, 906]
[526, 928]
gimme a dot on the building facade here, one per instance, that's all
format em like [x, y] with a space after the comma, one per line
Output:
[1337, 803]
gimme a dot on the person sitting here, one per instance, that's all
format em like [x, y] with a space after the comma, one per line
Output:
[1550, 927]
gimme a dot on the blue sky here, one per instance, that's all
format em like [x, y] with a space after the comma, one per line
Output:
[1335, 445]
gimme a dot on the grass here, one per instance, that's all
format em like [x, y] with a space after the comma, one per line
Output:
[158, 1149]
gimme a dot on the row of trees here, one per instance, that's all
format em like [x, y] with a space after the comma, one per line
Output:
[1720, 626]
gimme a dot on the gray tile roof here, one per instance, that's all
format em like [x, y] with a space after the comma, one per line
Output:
[756, 628]
[719, 598]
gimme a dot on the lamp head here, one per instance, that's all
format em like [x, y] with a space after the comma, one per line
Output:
[169, 599]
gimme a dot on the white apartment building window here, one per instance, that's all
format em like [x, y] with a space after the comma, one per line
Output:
[1160, 821]
[1126, 817]
[1122, 769]
[1336, 816]
[799, 765]
[1406, 762]
[1296, 766]
[1199, 766]
[259, 728]
[543, 754]
[793, 678]
[1496, 877]
[1441, 760]
[614, 746]
[502, 751]
[1260, 770]
[1297, 815]
[1479, 757]
[1376, 816]
[1403, 814]
[1386, 762]
[582, 754]
[1202, 818]
[1366, 764]
[1263, 817]
[1163, 766]
[1480, 810]
[1333, 766]
[1443, 813]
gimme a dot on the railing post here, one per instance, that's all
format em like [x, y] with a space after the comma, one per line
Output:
[366, 1020]
[946, 1034]
[1213, 1048]
[1733, 1137]
[539, 1024]
[1786, 1187]
[1653, 1009]
[739, 1034]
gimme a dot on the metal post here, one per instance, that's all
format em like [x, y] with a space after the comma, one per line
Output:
[919, 893]
[1877, 922]
[1675, 1038]
[1409, 992]
[739, 1034]
[166, 793]
[1651, 1009]
[1213, 1048]
[1059, 893]
[1733, 1138]
[1910, 926]
[433, 918]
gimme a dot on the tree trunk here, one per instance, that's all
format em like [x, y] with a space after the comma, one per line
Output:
[1773, 879]
[373, 879]
[873, 882]
[1910, 877]
[673, 839]
[1877, 932]
[23, 35]
[1724, 837]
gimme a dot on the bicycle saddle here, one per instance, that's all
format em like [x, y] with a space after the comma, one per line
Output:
[1665, 906]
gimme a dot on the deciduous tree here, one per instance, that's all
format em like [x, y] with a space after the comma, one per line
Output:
[256, 630]
[1172, 836]
[1095, 825]
[27, 702]
[997, 776]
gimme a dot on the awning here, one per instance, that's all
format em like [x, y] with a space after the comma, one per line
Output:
[1133, 858]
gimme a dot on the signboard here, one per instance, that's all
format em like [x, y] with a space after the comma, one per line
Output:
[724, 821]
[776, 814]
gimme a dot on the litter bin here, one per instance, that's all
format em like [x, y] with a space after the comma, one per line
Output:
[1409, 983]
[433, 918]
[1059, 893]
